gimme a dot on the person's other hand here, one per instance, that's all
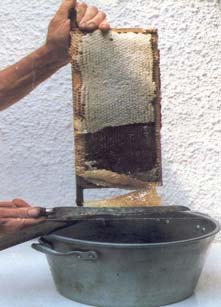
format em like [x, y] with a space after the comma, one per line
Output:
[16, 215]
[88, 18]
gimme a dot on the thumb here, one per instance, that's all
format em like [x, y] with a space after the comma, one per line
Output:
[67, 24]
[66, 6]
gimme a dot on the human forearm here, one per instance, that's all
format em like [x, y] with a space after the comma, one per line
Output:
[21, 78]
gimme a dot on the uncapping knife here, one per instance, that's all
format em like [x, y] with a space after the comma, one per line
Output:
[68, 214]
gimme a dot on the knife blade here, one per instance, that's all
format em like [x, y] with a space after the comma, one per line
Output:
[65, 214]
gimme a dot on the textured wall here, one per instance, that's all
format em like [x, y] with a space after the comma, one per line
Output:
[36, 158]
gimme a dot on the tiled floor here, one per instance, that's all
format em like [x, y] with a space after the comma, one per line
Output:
[25, 281]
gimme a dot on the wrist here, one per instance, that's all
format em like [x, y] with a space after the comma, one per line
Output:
[56, 57]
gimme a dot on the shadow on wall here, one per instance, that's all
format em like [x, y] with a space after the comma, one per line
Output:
[171, 192]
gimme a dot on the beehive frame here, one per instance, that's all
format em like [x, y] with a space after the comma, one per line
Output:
[86, 175]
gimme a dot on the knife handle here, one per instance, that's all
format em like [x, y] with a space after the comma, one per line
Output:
[29, 233]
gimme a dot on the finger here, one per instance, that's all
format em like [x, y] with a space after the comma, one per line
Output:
[98, 19]
[80, 10]
[20, 212]
[20, 203]
[64, 9]
[93, 23]
[104, 26]
[90, 13]
[6, 204]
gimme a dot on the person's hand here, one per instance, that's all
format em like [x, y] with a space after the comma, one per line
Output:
[16, 215]
[88, 18]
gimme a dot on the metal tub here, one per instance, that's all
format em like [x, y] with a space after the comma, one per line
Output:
[130, 263]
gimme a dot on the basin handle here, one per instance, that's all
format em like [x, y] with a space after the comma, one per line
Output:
[81, 255]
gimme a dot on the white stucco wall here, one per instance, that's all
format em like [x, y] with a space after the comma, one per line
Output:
[36, 157]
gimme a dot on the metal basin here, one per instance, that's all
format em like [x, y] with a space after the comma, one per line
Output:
[131, 263]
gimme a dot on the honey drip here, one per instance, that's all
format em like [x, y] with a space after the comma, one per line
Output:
[138, 198]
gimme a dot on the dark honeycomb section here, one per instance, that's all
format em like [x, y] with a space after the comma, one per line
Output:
[125, 149]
